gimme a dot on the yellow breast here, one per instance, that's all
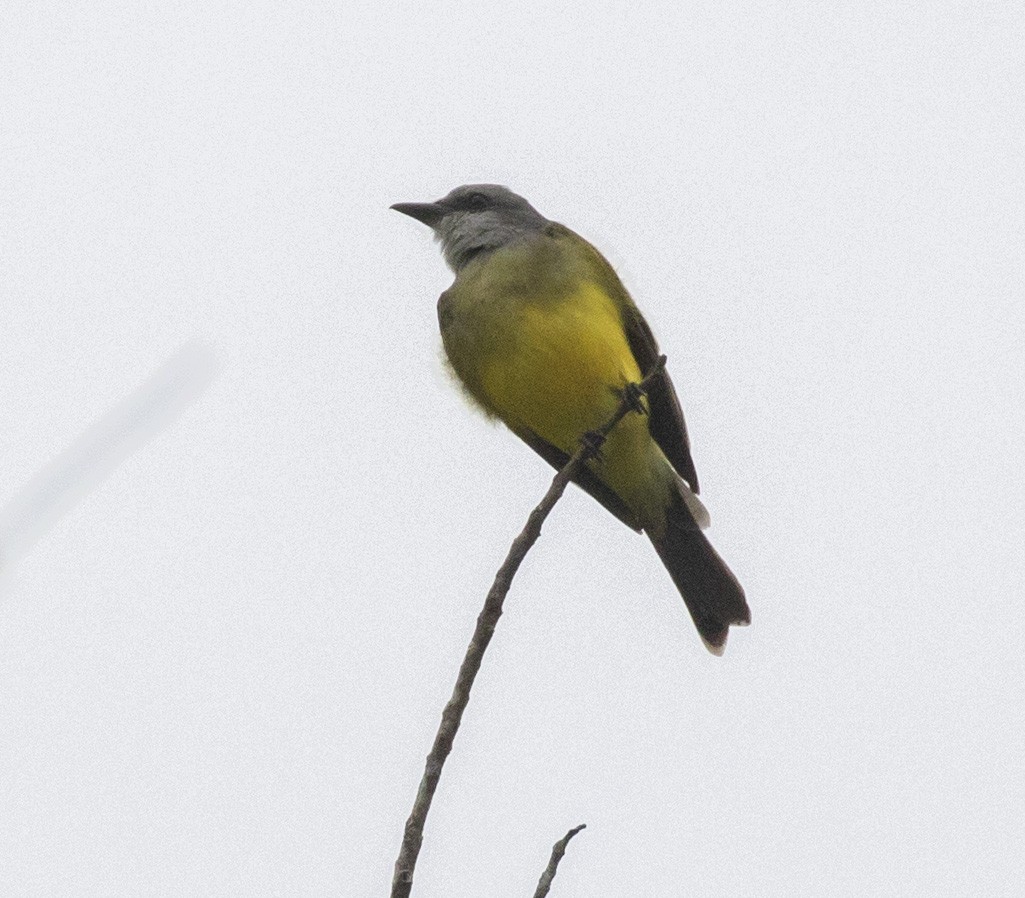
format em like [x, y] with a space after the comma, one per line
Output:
[560, 367]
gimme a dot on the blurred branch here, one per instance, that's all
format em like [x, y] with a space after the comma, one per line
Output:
[98, 451]
[402, 882]
[558, 850]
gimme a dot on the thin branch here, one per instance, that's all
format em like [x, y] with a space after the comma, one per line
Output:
[402, 882]
[558, 850]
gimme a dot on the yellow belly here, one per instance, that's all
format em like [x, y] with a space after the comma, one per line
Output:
[560, 371]
[560, 374]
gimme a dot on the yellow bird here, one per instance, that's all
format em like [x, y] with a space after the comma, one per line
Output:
[544, 336]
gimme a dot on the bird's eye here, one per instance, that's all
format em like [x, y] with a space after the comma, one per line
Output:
[477, 201]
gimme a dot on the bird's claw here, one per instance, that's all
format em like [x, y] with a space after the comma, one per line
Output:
[593, 441]
[634, 397]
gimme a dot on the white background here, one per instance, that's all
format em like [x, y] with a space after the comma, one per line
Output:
[220, 672]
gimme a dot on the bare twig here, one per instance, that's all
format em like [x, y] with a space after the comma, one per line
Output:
[412, 838]
[558, 850]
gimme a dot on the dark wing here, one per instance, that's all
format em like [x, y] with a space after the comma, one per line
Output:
[586, 478]
[666, 417]
[665, 421]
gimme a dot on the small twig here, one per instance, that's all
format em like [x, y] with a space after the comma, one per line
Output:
[412, 838]
[558, 850]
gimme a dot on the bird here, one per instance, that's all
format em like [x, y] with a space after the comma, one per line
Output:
[542, 335]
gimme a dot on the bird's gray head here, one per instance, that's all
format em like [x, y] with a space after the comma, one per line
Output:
[476, 219]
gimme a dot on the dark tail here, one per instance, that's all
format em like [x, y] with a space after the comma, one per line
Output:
[713, 596]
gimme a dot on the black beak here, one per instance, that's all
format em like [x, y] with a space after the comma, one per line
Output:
[429, 213]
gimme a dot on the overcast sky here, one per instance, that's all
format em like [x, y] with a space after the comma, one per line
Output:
[248, 520]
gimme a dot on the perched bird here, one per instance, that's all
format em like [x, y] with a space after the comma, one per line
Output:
[543, 335]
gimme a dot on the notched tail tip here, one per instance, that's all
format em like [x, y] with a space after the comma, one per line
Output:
[716, 650]
[714, 633]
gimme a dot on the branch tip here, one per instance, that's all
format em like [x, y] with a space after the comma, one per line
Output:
[558, 850]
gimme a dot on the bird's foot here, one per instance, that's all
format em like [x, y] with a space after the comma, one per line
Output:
[634, 398]
[592, 441]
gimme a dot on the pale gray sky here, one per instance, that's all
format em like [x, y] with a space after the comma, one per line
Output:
[221, 670]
